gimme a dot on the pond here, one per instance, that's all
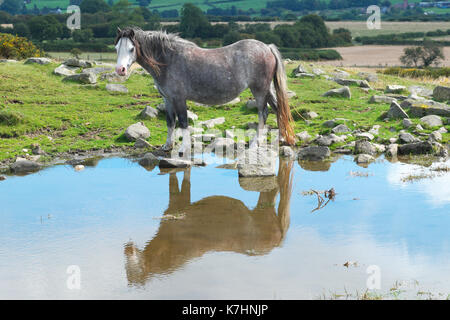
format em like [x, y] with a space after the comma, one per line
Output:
[127, 232]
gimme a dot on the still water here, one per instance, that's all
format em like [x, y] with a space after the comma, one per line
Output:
[206, 234]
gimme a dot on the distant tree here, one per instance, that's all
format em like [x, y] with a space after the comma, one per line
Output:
[192, 21]
[94, 6]
[45, 28]
[82, 35]
[411, 56]
[426, 55]
[76, 53]
[21, 29]
[144, 3]
[231, 37]
[12, 6]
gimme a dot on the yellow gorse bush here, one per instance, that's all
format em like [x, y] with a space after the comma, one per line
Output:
[14, 47]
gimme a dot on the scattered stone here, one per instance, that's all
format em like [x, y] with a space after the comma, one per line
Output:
[191, 115]
[415, 148]
[379, 147]
[195, 130]
[84, 78]
[287, 152]
[111, 87]
[64, 70]
[38, 60]
[148, 113]
[255, 162]
[341, 92]
[395, 111]
[365, 147]
[22, 165]
[393, 88]
[73, 62]
[310, 115]
[381, 99]
[419, 128]
[290, 94]
[113, 77]
[318, 71]
[212, 122]
[441, 93]
[435, 136]
[392, 150]
[364, 158]
[168, 163]
[375, 129]
[442, 130]
[149, 160]
[351, 82]
[8, 61]
[429, 107]
[406, 137]
[341, 73]
[329, 123]
[305, 75]
[407, 123]
[314, 153]
[141, 143]
[251, 104]
[393, 140]
[340, 128]
[2, 178]
[365, 135]
[299, 69]
[137, 130]
[97, 70]
[303, 136]
[328, 140]
[79, 167]
[432, 121]
[420, 91]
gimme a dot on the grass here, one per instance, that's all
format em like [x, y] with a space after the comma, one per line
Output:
[37, 107]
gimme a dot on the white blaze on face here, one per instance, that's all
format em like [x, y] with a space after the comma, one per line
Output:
[126, 55]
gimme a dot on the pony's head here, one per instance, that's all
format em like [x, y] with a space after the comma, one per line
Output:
[127, 48]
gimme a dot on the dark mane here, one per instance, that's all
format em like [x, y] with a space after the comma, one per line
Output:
[152, 46]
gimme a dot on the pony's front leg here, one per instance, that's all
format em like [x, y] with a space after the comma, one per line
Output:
[170, 120]
[181, 111]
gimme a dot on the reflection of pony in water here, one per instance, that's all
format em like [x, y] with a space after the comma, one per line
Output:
[215, 223]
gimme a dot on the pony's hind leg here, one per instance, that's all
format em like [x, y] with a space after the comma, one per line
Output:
[263, 112]
[171, 121]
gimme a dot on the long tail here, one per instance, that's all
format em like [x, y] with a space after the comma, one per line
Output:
[284, 116]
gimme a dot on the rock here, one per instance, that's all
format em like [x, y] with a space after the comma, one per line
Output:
[329, 123]
[442, 130]
[141, 143]
[393, 88]
[212, 122]
[23, 165]
[364, 146]
[441, 93]
[299, 69]
[149, 160]
[38, 60]
[137, 130]
[2, 178]
[287, 152]
[79, 167]
[405, 137]
[341, 73]
[303, 136]
[318, 71]
[364, 158]
[419, 128]
[415, 148]
[64, 70]
[392, 150]
[435, 136]
[341, 92]
[352, 82]
[84, 78]
[116, 88]
[259, 184]
[395, 111]
[169, 163]
[98, 70]
[148, 113]
[380, 148]
[423, 108]
[328, 140]
[365, 135]
[374, 130]
[420, 91]
[114, 77]
[290, 94]
[161, 107]
[393, 140]
[381, 99]
[305, 75]
[341, 128]
[73, 62]
[191, 115]
[369, 77]
[256, 162]
[310, 115]
[432, 121]
[314, 153]
[407, 123]
[251, 104]
[8, 61]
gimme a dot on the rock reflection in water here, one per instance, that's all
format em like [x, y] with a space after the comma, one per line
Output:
[215, 223]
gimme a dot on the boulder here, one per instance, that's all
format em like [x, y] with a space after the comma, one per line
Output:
[393, 88]
[395, 111]
[423, 108]
[83, 78]
[441, 93]
[137, 130]
[191, 115]
[212, 122]
[169, 163]
[255, 162]
[328, 140]
[149, 160]
[381, 99]
[340, 128]
[299, 69]
[407, 123]
[314, 153]
[310, 115]
[392, 150]
[365, 136]
[305, 75]
[415, 148]
[375, 129]
[318, 71]
[148, 113]
[340, 74]
[38, 60]
[141, 143]
[343, 92]
[364, 158]
[365, 147]
[113, 77]
[112, 87]
[435, 136]
[98, 70]
[406, 137]
[2, 178]
[352, 82]
[287, 152]
[303, 136]
[73, 62]
[432, 121]
[420, 91]
[64, 70]
[23, 166]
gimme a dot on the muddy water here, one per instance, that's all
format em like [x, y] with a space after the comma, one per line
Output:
[204, 233]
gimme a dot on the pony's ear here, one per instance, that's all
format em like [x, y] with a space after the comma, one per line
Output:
[118, 30]
[132, 34]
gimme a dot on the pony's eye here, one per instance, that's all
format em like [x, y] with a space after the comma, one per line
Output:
[132, 49]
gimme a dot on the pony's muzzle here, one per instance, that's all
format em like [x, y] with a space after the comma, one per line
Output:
[121, 71]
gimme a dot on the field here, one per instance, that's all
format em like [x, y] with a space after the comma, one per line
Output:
[38, 105]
